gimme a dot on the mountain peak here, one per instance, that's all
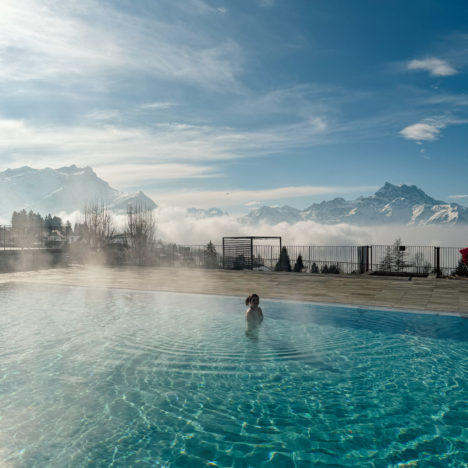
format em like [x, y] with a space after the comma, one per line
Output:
[16, 170]
[65, 189]
[75, 170]
[391, 204]
[388, 189]
[409, 192]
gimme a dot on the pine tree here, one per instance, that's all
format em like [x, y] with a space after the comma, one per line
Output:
[19, 227]
[211, 256]
[284, 264]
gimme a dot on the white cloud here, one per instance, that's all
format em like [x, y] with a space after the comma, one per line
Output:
[428, 131]
[435, 66]
[103, 115]
[207, 198]
[300, 100]
[458, 196]
[133, 174]
[252, 203]
[69, 42]
[452, 100]
[100, 145]
[317, 125]
[158, 105]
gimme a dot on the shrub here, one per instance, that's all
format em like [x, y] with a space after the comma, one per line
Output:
[461, 270]
[299, 265]
[239, 263]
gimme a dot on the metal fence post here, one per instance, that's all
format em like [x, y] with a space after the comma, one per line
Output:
[251, 253]
[437, 261]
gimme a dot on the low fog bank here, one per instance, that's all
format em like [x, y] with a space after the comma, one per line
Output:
[175, 225]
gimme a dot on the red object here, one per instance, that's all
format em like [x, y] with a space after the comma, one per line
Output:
[464, 253]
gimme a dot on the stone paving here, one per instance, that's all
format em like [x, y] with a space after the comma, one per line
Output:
[447, 296]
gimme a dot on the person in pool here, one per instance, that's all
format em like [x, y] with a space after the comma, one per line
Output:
[254, 314]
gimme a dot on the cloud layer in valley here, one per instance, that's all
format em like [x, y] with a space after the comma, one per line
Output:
[177, 225]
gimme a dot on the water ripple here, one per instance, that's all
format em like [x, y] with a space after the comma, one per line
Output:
[133, 379]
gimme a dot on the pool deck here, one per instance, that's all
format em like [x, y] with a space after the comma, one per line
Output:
[445, 296]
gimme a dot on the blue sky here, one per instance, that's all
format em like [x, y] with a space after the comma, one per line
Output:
[239, 103]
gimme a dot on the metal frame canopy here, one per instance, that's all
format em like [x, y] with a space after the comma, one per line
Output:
[238, 251]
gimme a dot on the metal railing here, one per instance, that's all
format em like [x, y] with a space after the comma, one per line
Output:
[402, 259]
[410, 260]
[386, 259]
[449, 259]
[343, 258]
[413, 259]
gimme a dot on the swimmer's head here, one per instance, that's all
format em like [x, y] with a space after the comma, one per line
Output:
[253, 299]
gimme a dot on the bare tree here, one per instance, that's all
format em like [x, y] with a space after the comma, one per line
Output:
[98, 226]
[421, 265]
[395, 258]
[387, 262]
[141, 234]
[399, 255]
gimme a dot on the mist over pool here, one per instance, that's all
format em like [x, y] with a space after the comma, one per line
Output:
[105, 376]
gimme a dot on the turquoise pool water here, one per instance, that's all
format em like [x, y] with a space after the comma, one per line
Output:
[98, 378]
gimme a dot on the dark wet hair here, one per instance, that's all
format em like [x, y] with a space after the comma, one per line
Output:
[249, 299]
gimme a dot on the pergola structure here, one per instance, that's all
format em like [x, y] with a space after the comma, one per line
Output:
[238, 252]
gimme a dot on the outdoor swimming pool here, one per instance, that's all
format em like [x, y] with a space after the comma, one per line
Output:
[106, 377]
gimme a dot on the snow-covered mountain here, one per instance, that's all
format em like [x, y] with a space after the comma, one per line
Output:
[273, 215]
[66, 189]
[391, 204]
[200, 213]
